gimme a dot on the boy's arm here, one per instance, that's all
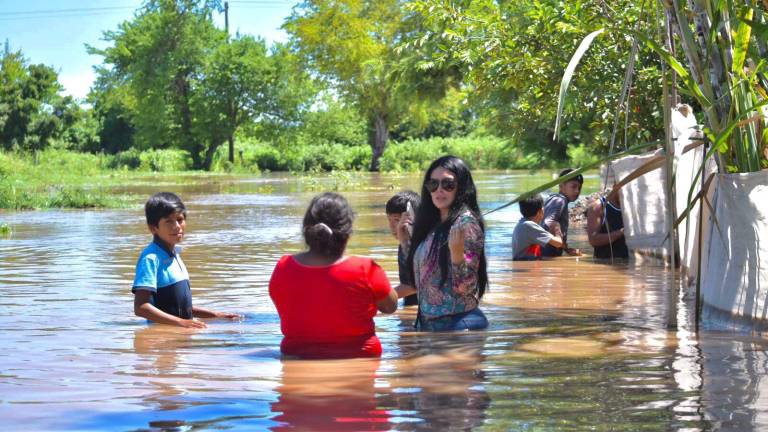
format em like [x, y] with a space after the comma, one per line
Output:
[404, 290]
[552, 211]
[143, 307]
[553, 237]
[594, 221]
[555, 241]
[199, 312]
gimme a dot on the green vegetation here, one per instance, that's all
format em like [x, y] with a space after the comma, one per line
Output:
[378, 85]
[63, 178]
[726, 74]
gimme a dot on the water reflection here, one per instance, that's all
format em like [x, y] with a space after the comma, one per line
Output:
[573, 344]
[158, 349]
[329, 395]
[439, 384]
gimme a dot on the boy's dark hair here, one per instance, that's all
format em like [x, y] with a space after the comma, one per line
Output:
[399, 202]
[531, 205]
[579, 178]
[163, 204]
[327, 224]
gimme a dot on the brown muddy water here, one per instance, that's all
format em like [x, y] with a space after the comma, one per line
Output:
[572, 345]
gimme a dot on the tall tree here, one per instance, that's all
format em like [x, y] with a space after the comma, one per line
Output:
[354, 44]
[185, 84]
[32, 112]
[159, 55]
[513, 54]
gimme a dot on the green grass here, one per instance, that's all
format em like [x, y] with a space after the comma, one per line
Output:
[56, 178]
[486, 152]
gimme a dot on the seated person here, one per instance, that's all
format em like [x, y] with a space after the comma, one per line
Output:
[529, 237]
[556, 210]
[161, 286]
[396, 206]
[326, 300]
[605, 227]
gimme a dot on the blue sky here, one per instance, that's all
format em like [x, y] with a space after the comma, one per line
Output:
[54, 32]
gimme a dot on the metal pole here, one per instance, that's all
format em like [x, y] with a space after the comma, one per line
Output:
[669, 168]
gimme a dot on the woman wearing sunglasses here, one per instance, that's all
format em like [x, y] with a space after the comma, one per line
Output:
[446, 254]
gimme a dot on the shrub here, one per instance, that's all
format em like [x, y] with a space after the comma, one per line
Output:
[580, 156]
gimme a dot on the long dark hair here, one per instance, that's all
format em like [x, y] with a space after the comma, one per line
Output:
[327, 224]
[428, 219]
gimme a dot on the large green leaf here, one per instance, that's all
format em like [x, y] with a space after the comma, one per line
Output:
[568, 75]
[741, 43]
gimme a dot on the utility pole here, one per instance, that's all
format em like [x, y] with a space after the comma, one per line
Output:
[226, 30]
[226, 19]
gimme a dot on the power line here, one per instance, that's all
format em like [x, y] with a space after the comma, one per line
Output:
[263, 2]
[85, 12]
[69, 15]
[55, 11]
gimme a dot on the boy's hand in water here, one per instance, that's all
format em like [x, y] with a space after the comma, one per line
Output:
[228, 315]
[573, 252]
[192, 323]
[456, 244]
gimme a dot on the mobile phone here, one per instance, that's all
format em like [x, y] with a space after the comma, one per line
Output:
[412, 214]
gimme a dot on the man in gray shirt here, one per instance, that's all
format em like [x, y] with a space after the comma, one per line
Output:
[529, 237]
[556, 213]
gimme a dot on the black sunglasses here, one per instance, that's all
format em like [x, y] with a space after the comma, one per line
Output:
[448, 185]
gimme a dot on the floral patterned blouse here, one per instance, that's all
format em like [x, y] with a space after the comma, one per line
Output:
[459, 293]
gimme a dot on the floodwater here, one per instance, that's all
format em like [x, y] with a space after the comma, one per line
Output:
[572, 345]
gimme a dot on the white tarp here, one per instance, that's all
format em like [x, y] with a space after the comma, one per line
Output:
[643, 203]
[736, 269]
[687, 166]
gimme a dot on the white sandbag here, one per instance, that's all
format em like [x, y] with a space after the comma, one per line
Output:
[643, 203]
[736, 268]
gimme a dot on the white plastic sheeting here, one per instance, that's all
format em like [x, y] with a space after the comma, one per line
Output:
[735, 271]
[687, 165]
[643, 203]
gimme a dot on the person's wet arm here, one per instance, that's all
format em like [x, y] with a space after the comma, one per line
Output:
[384, 296]
[199, 312]
[553, 211]
[143, 307]
[594, 222]
[466, 242]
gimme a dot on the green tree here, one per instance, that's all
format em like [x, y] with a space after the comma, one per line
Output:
[172, 79]
[354, 44]
[159, 55]
[32, 112]
[513, 54]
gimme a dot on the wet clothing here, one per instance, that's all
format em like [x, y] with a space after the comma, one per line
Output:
[327, 311]
[528, 238]
[472, 320]
[162, 272]
[405, 276]
[440, 304]
[611, 221]
[555, 210]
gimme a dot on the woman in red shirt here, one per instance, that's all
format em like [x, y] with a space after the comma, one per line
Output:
[326, 300]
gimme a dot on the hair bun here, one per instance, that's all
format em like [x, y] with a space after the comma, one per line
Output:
[320, 231]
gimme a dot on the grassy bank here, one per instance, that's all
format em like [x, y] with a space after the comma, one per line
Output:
[407, 156]
[59, 178]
